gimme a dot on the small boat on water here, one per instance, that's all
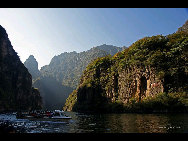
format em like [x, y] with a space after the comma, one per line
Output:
[44, 115]
[60, 115]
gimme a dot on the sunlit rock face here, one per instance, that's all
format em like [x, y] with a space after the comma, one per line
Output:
[141, 83]
[32, 65]
[16, 92]
[137, 82]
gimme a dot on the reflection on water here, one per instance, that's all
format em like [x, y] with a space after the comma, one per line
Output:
[104, 123]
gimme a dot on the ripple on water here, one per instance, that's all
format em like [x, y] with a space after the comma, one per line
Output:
[114, 123]
[92, 124]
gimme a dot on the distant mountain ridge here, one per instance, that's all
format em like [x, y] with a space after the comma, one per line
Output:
[67, 68]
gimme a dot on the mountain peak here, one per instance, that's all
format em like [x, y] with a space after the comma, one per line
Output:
[32, 65]
[31, 56]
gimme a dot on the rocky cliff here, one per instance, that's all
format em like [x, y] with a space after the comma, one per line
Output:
[16, 91]
[32, 65]
[153, 71]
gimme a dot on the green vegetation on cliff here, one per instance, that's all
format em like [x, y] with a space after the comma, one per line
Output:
[166, 58]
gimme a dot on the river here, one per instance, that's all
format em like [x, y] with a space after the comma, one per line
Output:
[103, 123]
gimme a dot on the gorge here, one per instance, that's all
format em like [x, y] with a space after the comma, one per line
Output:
[152, 68]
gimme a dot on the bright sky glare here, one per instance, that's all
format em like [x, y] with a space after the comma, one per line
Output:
[46, 32]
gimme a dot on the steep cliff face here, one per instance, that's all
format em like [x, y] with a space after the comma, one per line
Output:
[16, 92]
[138, 82]
[32, 65]
[150, 66]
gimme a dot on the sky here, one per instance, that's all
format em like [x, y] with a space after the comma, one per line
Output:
[46, 32]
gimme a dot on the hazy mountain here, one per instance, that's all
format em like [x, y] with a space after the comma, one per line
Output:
[57, 80]
[32, 65]
[16, 91]
[67, 68]
[53, 93]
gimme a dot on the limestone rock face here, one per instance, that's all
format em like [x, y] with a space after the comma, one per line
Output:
[141, 83]
[16, 92]
[128, 83]
[32, 65]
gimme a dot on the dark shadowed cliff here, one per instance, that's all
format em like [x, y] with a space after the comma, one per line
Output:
[16, 91]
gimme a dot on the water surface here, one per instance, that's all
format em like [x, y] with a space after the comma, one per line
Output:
[104, 123]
